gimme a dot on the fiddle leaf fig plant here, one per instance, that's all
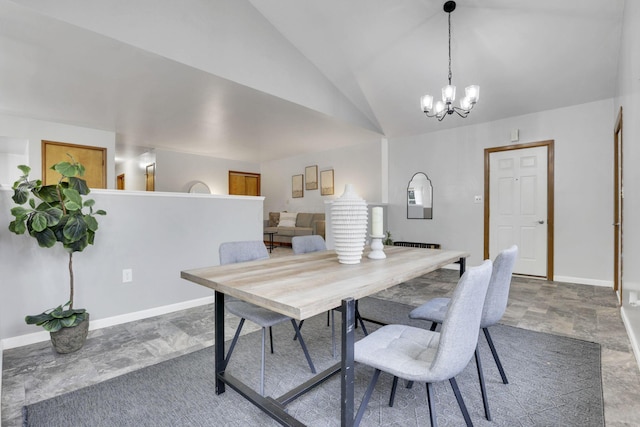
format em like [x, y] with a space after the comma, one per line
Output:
[56, 213]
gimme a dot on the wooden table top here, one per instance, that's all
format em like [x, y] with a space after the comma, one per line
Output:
[301, 286]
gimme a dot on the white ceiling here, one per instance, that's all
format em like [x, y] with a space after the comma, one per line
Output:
[380, 56]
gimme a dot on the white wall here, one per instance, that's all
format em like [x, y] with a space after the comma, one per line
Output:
[179, 171]
[360, 165]
[628, 90]
[37, 130]
[155, 234]
[454, 161]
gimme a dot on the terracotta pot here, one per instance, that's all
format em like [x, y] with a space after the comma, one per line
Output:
[68, 340]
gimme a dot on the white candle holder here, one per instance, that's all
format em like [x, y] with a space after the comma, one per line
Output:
[377, 247]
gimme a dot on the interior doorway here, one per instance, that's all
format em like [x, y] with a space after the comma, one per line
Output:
[518, 205]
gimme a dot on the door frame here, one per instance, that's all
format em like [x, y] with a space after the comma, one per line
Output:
[550, 195]
[618, 200]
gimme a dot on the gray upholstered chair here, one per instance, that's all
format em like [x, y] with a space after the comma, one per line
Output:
[233, 252]
[315, 243]
[416, 354]
[494, 307]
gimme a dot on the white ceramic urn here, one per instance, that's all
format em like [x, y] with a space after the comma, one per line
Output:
[349, 226]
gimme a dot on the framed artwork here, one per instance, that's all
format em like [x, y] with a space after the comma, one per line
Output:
[326, 182]
[311, 177]
[296, 186]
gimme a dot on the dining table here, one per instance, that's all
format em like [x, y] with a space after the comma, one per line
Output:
[302, 286]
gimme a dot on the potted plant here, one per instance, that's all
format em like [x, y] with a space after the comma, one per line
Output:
[387, 241]
[50, 214]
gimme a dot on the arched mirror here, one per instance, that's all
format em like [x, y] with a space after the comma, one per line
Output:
[199, 187]
[420, 197]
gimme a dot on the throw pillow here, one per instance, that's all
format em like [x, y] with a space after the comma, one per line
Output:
[287, 219]
[274, 217]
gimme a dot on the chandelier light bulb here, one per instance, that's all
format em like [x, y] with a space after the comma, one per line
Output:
[465, 103]
[473, 93]
[427, 103]
[440, 107]
[448, 94]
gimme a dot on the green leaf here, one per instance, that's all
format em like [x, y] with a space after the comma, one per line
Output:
[91, 222]
[53, 216]
[48, 193]
[17, 226]
[25, 169]
[72, 196]
[80, 185]
[38, 221]
[100, 212]
[19, 211]
[89, 203]
[20, 194]
[78, 245]
[53, 326]
[66, 169]
[67, 322]
[75, 228]
[46, 238]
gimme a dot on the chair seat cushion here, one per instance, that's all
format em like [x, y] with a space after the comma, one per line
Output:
[433, 310]
[404, 351]
[258, 315]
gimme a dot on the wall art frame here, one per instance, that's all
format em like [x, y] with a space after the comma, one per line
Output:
[326, 183]
[297, 186]
[311, 177]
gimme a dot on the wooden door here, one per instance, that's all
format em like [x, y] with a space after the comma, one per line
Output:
[150, 177]
[120, 182]
[244, 183]
[94, 160]
[618, 197]
[518, 207]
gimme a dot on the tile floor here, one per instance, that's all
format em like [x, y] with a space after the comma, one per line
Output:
[35, 372]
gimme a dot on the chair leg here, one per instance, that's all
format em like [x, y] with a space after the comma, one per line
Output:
[333, 334]
[271, 338]
[434, 325]
[303, 345]
[359, 318]
[393, 391]
[233, 342]
[483, 389]
[432, 406]
[365, 398]
[262, 362]
[463, 407]
[328, 311]
[495, 355]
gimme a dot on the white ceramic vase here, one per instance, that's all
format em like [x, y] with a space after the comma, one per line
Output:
[349, 226]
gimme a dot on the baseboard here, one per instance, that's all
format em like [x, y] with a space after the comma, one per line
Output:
[583, 281]
[41, 336]
[635, 345]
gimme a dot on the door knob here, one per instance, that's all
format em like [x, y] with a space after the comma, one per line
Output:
[540, 221]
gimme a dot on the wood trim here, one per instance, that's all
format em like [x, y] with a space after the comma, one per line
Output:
[617, 207]
[550, 196]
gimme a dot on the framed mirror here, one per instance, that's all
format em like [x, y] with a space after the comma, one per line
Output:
[420, 197]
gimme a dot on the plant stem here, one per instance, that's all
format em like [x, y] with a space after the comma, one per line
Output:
[71, 279]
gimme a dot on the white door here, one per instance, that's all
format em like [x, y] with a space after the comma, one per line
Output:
[518, 207]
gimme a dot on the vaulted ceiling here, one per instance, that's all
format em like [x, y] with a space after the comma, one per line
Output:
[257, 80]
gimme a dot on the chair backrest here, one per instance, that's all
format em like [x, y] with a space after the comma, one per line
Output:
[495, 303]
[233, 252]
[306, 244]
[459, 334]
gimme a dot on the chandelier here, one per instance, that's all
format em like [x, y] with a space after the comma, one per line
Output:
[444, 107]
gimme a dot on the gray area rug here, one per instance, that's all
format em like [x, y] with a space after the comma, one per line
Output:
[553, 381]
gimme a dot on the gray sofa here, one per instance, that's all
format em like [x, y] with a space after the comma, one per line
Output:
[306, 224]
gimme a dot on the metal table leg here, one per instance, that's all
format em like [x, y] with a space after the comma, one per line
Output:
[347, 363]
[219, 340]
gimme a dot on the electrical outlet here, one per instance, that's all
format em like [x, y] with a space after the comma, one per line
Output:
[477, 199]
[127, 275]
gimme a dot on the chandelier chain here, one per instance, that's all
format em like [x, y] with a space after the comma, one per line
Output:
[449, 48]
